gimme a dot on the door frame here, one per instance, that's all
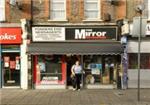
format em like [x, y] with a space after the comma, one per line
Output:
[2, 72]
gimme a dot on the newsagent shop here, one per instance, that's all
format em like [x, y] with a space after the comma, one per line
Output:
[55, 49]
[10, 41]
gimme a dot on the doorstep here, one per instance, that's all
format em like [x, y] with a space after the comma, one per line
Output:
[50, 87]
[101, 86]
[11, 87]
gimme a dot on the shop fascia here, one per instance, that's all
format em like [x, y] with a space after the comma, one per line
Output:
[7, 36]
[89, 33]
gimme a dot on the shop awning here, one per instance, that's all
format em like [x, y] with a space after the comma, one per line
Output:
[81, 48]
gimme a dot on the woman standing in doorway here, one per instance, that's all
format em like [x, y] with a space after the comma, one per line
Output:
[76, 71]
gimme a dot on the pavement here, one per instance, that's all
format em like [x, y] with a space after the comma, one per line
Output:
[70, 97]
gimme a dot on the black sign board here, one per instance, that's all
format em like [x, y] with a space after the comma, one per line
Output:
[98, 33]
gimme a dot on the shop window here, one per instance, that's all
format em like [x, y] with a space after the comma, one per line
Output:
[58, 9]
[145, 61]
[93, 69]
[2, 10]
[49, 70]
[133, 61]
[92, 9]
[99, 69]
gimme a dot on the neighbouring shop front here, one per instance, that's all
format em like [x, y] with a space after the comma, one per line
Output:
[10, 40]
[133, 64]
[55, 49]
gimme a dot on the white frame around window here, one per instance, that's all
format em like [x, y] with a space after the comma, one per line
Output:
[2, 10]
[98, 9]
[57, 10]
[148, 9]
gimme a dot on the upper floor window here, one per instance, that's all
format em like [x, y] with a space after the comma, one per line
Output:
[58, 9]
[2, 10]
[92, 9]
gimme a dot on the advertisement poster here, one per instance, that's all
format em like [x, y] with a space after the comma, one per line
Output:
[95, 71]
[6, 61]
[42, 66]
[17, 63]
[96, 68]
[12, 64]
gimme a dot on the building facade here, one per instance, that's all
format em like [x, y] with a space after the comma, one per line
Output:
[41, 39]
[13, 63]
[64, 31]
[132, 45]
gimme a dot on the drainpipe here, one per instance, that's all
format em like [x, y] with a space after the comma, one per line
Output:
[82, 77]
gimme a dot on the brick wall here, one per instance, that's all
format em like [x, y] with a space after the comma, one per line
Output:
[75, 11]
[131, 4]
[14, 14]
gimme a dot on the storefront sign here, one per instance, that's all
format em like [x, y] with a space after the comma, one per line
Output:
[101, 33]
[10, 35]
[48, 34]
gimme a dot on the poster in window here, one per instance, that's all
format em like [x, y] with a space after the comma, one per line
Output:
[6, 61]
[17, 63]
[12, 64]
[17, 66]
[42, 66]
[96, 69]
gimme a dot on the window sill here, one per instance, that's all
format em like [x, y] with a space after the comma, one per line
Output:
[92, 20]
[57, 20]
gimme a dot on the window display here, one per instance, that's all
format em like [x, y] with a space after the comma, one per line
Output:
[93, 69]
[49, 70]
[99, 69]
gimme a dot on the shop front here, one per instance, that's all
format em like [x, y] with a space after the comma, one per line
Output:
[10, 40]
[133, 64]
[55, 49]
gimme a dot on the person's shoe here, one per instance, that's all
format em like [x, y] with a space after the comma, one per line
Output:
[78, 89]
[74, 89]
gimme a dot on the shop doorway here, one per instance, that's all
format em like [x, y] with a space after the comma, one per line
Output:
[11, 69]
[71, 59]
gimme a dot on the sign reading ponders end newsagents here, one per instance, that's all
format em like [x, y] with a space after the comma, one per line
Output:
[94, 33]
[48, 34]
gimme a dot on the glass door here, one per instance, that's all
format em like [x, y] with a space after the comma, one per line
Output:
[11, 69]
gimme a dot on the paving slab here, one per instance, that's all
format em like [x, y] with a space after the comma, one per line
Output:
[69, 97]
